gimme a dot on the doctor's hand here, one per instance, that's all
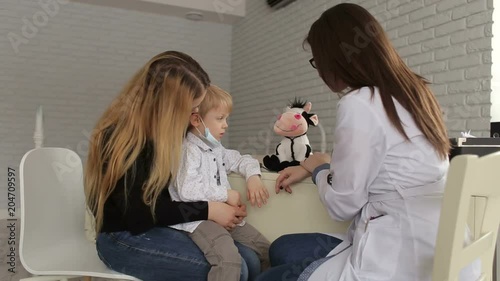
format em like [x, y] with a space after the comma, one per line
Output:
[256, 191]
[314, 160]
[289, 176]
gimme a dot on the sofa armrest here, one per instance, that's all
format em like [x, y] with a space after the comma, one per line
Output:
[299, 212]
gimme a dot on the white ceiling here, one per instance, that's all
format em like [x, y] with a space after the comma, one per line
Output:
[221, 11]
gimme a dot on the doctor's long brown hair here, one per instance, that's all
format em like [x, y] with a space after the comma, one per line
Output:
[349, 44]
[153, 107]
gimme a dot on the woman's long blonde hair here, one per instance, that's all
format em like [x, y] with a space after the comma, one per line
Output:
[349, 44]
[153, 107]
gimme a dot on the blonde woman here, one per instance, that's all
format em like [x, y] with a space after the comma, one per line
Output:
[135, 152]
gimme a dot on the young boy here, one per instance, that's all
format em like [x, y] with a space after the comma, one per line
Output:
[203, 177]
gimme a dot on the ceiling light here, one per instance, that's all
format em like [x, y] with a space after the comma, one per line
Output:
[196, 16]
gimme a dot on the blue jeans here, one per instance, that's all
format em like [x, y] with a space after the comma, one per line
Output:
[291, 254]
[164, 254]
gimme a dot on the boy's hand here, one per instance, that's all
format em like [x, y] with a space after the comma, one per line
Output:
[256, 191]
[233, 198]
[225, 215]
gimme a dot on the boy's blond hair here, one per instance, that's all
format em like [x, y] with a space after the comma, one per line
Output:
[215, 98]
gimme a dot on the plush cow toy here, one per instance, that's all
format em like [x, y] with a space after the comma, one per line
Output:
[292, 125]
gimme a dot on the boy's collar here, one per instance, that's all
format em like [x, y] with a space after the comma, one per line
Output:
[200, 142]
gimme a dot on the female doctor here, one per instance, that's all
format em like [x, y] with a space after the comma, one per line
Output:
[388, 168]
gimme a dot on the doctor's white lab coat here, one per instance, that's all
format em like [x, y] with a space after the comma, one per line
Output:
[390, 188]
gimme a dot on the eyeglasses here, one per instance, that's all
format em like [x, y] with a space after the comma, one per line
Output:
[313, 63]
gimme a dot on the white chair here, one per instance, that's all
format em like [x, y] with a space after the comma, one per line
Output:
[53, 245]
[469, 176]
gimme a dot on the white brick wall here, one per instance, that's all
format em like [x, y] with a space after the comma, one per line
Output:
[78, 61]
[495, 83]
[80, 56]
[446, 41]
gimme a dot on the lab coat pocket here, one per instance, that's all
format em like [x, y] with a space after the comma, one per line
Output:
[379, 248]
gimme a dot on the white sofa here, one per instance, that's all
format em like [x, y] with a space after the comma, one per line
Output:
[298, 212]
[301, 211]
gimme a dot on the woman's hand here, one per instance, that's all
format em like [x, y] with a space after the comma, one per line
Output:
[256, 191]
[233, 198]
[314, 160]
[225, 215]
[289, 176]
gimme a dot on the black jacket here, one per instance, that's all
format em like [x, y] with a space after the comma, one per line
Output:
[127, 211]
